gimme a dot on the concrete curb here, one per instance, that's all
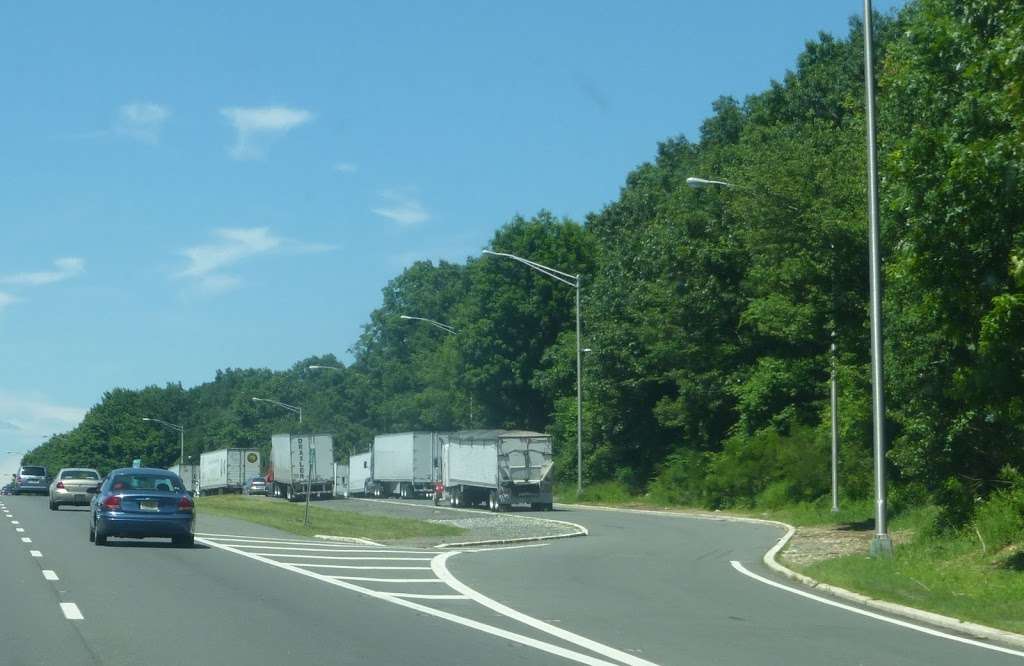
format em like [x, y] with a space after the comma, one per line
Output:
[581, 531]
[977, 631]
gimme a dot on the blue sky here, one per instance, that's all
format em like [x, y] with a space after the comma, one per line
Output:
[193, 186]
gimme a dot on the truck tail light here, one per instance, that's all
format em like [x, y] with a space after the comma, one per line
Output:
[112, 503]
[185, 505]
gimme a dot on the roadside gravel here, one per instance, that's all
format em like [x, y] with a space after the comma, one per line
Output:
[480, 525]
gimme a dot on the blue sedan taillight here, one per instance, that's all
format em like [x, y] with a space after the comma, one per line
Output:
[185, 505]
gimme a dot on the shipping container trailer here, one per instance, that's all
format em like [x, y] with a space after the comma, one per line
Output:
[406, 464]
[360, 473]
[226, 470]
[498, 468]
[301, 463]
[189, 475]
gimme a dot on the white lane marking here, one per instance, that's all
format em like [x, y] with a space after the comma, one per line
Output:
[19, 529]
[26, 540]
[441, 571]
[329, 557]
[344, 539]
[302, 550]
[15, 522]
[343, 566]
[35, 553]
[71, 611]
[243, 537]
[242, 543]
[427, 610]
[409, 595]
[877, 616]
[388, 580]
[50, 575]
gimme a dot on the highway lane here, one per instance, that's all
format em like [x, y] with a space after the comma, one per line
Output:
[662, 587]
[149, 602]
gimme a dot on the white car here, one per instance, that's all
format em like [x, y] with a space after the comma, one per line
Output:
[70, 486]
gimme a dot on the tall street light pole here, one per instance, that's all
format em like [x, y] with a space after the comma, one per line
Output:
[181, 435]
[309, 473]
[881, 545]
[574, 282]
[699, 183]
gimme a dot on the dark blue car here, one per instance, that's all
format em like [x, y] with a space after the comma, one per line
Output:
[142, 502]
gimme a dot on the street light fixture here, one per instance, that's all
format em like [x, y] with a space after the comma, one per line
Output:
[322, 367]
[574, 282]
[700, 183]
[291, 408]
[181, 435]
[444, 327]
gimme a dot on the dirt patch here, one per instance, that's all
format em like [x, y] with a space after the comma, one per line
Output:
[815, 544]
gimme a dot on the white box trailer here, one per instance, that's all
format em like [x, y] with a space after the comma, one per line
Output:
[360, 473]
[189, 475]
[226, 470]
[295, 457]
[407, 464]
[340, 480]
[498, 468]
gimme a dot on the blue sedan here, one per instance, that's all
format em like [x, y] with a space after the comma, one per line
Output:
[142, 502]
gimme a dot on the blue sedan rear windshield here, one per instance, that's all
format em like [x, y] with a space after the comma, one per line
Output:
[145, 482]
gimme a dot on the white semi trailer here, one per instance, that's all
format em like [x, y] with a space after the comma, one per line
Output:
[189, 474]
[226, 470]
[340, 480]
[499, 468]
[301, 462]
[406, 464]
[360, 473]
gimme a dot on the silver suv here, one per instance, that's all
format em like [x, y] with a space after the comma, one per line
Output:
[31, 479]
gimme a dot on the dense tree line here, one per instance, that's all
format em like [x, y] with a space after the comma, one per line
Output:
[710, 313]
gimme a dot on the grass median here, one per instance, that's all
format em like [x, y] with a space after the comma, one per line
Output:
[288, 517]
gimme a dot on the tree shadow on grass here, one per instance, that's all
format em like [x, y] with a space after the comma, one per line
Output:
[1015, 562]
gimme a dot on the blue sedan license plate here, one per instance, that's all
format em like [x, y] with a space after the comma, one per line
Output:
[149, 505]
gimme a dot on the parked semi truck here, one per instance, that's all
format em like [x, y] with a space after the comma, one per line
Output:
[225, 470]
[406, 464]
[360, 473]
[189, 474]
[498, 468]
[296, 457]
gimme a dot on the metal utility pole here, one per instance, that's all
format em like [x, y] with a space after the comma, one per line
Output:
[881, 545]
[574, 282]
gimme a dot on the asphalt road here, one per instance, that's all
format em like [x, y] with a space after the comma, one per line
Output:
[641, 589]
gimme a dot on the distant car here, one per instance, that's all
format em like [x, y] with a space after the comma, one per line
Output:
[31, 479]
[70, 486]
[138, 502]
[7, 490]
[256, 485]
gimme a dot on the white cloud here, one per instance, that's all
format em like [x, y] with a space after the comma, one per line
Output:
[401, 208]
[206, 262]
[345, 167]
[141, 121]
[65, 268]
[254, 125]
[27, 420]
[6, 299]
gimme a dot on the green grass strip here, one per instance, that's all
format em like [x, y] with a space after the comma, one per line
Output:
[287, 516]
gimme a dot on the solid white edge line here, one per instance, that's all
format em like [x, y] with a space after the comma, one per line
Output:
[877, 616]
[49, 574]
[439, 565]
[427, 610]
[949, 623]
[71, 611]
[300, 565]
[35, 553]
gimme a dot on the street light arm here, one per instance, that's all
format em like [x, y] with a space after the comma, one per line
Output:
[165, 423]
[297, 410]
[323, 367]
[561, 276]
[701, 183]
[444, 327]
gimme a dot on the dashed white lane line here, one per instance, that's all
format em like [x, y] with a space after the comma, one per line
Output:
[876, 616]
[19, 529]
[35, 553]
[49, 574]
[15, 522]
[26, 540]
[71, 611]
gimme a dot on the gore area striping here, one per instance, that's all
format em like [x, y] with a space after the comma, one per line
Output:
[71, 611]
[877, 616]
